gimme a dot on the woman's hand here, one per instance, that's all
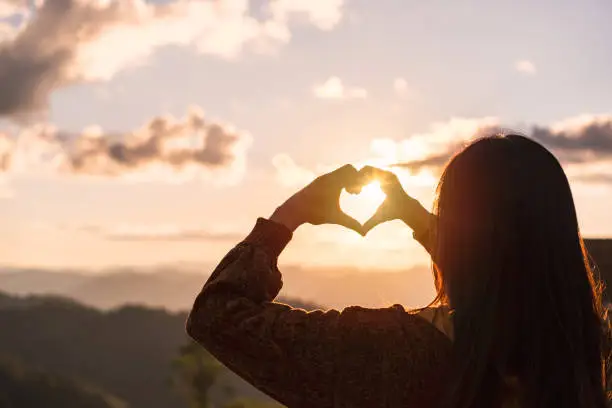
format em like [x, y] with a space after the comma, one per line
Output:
[397, 206]
[319, 202]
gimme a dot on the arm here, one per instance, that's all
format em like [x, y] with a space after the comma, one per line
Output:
[356, 358]
[399, 205]
[287, 353]
[423, 224]
[311, 359]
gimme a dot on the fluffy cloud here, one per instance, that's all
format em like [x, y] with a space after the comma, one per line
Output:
[290, 174]
[324, 14]
[64, 42]
[583, 144]
[164, 148]
[333, 88]
[526, 67]
[13, 7]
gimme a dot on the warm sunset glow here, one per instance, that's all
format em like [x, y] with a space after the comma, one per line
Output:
[362, 206]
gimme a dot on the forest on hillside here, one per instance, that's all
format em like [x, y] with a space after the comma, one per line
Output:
[68, 355]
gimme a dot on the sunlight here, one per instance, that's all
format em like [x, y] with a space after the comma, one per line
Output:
[362, 206]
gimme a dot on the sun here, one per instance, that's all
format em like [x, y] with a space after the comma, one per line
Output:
[373, 193]
[363, 205]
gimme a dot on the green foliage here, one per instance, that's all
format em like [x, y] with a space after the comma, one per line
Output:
[26, 388]
[140, 355]
[128, 351]
[196, 371]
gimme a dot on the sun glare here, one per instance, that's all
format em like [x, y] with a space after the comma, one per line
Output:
[362, 206]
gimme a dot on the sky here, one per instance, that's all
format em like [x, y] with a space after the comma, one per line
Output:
[137, 133]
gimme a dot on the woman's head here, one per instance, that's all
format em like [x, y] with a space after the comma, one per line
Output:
[511, 263]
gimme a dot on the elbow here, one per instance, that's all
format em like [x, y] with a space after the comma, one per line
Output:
[201, 324]
[190, 326]
[197, 325]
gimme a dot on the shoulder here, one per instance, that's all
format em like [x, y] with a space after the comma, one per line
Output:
[399, 346]
[396, 324]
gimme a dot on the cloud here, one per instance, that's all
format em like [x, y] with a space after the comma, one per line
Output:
[289, 174]
[526, 67]
[583, 144]
[6, 152]
[10, 8]
[165, 148]
[64, 42]
[162, 233]
[324, 14]
[401, 88]
[333, 88]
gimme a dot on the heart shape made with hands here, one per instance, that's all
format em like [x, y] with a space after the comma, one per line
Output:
[363, 205]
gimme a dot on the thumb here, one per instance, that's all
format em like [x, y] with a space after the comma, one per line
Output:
[379, 217]
[348, 222]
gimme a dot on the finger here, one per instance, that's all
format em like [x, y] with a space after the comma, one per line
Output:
[384, 177]
[354, 188]
[348, 222]
[345, 175]
[379, 217]
[374, 173]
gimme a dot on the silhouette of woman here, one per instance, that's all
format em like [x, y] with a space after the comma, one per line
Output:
[517, 321]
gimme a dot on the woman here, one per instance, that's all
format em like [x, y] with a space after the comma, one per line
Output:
[517, 321]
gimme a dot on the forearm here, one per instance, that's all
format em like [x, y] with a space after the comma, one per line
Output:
[422, 222]
[285, 352]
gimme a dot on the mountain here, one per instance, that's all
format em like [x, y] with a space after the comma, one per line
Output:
[27, 388]
[127, 352]
[175, 288]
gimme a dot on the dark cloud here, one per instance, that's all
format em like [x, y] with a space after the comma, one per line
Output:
[196, 143]
[588, 141]
[166, 143]
[70, 41]
[432, 161]
[63, 42]
[41, 57]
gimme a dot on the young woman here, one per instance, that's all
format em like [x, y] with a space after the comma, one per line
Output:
[517, 322]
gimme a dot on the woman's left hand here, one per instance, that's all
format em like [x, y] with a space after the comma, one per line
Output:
[319, 202]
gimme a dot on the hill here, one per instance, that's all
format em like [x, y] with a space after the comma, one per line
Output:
[26, 388]
[127, 351]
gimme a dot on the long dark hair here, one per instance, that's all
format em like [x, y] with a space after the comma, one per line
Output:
[510, 261]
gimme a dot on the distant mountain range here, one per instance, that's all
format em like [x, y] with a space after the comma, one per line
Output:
[175, 288]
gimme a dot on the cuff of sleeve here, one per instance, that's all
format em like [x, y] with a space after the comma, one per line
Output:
[273, 236]
[427, 236]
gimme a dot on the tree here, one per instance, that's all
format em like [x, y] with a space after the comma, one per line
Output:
[196, 371]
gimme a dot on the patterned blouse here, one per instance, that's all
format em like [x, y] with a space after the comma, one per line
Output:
[353, 358]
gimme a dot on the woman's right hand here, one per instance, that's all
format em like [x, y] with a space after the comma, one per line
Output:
[398, 205]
